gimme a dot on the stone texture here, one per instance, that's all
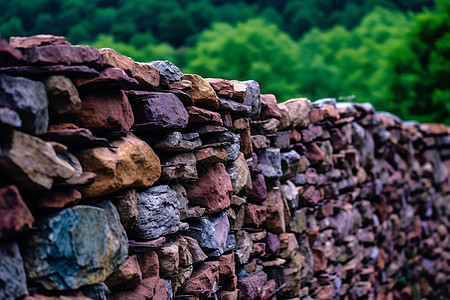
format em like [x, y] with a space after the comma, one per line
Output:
[269, 107]
[202, 93]
[228, 89]
[10, 117]
[62, 96]
[56, 198]
[13, 280]
[250, 286]
[199, 115]
[297, 111]
[290, 164]
[240, 175]
[168, 71]
[212, 190]
[128, 276]
[9, 55]
[211, 155]
[288, 245]
[83, 249]
[275, 220]
[194, 248]
[158, 213]
[259, 190]
[159, 111]
[169, 260]
[244, 246]
[16, 217]
[105, 111]
[29, 99]
[269, 162]
[31, 162]
[126, 205]
[150, 288]
[37, 72]
[109, 78]
[252, 98]
[186, 211]
[62, 54]
[205, 277]
[179, 142]
[148, 264]
[255, 215]
[37, 40]
[211, 233]
[180, 167]
[122, 167]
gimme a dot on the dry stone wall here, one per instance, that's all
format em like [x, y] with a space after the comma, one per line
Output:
[126, 180]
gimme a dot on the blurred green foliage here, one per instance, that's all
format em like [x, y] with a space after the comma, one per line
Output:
[393, 53]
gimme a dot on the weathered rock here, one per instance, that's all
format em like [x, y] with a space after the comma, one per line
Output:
[16, 217]
[291, 274]
[102, 112]
[273, 244]
[31, 162]
[122, 167]
[211, 233]
[320, 259]
[244, 246]
[169, 260]
[281, 140]
[73, 137]
[29, 99]
[297, 111]
[298, 221]
[250, 286]
[211, 155]
[228, 295]
[290, 164]
[10, 117]
[128, 276]
[229, 89]
[186, 212]
[202, 93]
[182, 85]
[147, 76]
[252, 98]
[56, 198]
[259, 190]
[181, 166]
[159, 111]
[63, 54]
[158, 213]
[205, 277]
[62, 96]
[311, 196]
[240, 175]
[37, 72]
[150, 288]
[269, 162]
[288, 245]
[227, 266]
[13, 281]
[168, 71]
[275, 220]
[290, 193]
[246, 143]
[269, 107]
[226, 137]
[148, 264]
[255, 215]
[109, 78]
[212, 190]
[264, 127]
[126, 205]
[176, 141]
[37, 40]
[194, 248]
[9, 55]
[83, 248]
[234, 107]
[199, 115]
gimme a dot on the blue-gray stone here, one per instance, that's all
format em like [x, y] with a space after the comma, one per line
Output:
[290, 164]
[252, 98]
[13, 282]
[29, 99]
[78, 246]
[269, 162]
[168, 71]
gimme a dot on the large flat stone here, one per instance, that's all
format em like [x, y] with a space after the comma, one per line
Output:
[37, 40]
[78, 246]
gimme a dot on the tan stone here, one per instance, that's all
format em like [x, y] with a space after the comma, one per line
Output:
[297, 111]
[201, 92]
[132, 163]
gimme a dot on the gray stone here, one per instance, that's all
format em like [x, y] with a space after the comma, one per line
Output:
[244, 246]
[234, 139]
[126, 204]
[290, 164]
[78, 246]
[29, 99]
[240, 175]
[176, 141]
[290, 193]
[260, 142]
[186, 211]
[10, 117]
[211, 233]
[180, 166]
[235, 107]
[13, 282]
[252, 98]
[167, 70]
[62, 96]
[158, 213]
[269, 162]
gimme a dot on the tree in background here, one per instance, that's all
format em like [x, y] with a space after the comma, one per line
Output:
[419, 86]
[253, 49]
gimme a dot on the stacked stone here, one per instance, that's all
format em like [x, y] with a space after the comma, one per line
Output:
[126, 180]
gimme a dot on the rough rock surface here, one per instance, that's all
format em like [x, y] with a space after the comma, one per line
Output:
[62, 96]
[13, 281]
[16, 217]
[167, 70]
[202, 93]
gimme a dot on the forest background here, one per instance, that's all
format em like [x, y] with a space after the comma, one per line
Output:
[392, 53]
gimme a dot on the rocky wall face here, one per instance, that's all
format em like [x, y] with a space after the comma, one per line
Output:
[125, 180]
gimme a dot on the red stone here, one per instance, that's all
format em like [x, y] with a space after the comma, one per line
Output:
[212, 190]
[150, 288]
[227, 266]
[15, 215]
[311, 196]
[269, 107]
[149, 264]
[255, 215]
[246, 143]
[295, 136]
[199, 115]
[105, 111]
[37, 40]
[8, 54]
[113, 78]
[275, 220]
[314, 154]
[128, 276]
[320, 259]
[57, 198]
[228, 89]
[326, 293]
[268, 290]
[327, 111]
[204, 277]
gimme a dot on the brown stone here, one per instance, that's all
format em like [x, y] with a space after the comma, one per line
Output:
[212, 190]
[259, 249]
[327, 111]
[255, 215]
[111, 78]
[324, 292]
[196, 251]
[246, 143]
[128, 276]
[311, 196]
[37, 40]
[149, 264]
[16, 217]
[169, 260]
[295, 136]
[126, 204]
[121, 167]
[105, 111]
[297, 113]
[268, 290]
[320, 259]
[314, 153]
[269, 107]
[199, 115]
[228, 295]
[182, 85]
[240, 175]
[30, 162]
[227, 266]
[150, 288]
[288, 245]
[202, 93]
[204, 277]
[275, 221]
[228, 89]
[62, 95]
[57, 198]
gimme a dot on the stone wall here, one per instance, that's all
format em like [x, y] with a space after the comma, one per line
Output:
[125, 180]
